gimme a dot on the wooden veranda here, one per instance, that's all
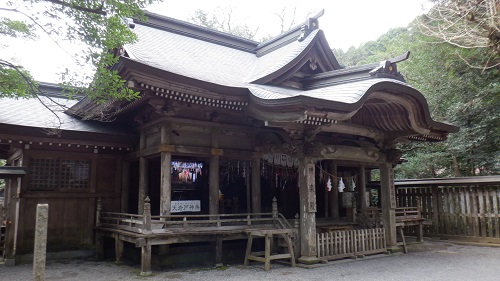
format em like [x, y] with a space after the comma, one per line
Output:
[145, 231]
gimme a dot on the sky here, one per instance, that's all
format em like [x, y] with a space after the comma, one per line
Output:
[346, 23]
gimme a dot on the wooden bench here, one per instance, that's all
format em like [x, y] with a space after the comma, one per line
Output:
[405, 217]
[268, 255]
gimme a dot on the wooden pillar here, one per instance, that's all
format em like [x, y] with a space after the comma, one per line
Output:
[165, 173]
[256, 199]
[143, 175]
[125, 186]
[388, 199]
[362, 188]
[218, 251]
[307, 192]
[435, 209]
[214, 185]
[248, 187]
[334, 194]
[118, 249]
[213, 175]
[326, 195]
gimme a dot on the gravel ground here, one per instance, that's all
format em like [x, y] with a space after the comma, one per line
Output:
[432, 260]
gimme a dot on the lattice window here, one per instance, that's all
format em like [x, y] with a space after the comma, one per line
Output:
[52, 174]
[44, 174]
[75, 174]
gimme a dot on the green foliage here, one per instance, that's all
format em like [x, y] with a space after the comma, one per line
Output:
[98, 24]
[15, 28]
[456, 93]
[15, 82]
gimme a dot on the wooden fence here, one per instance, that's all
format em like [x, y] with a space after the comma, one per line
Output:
[350, 243]
[466, 208]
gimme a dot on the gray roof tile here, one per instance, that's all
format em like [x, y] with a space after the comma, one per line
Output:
[32, 113]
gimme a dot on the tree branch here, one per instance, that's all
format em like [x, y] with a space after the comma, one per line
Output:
[98, 11]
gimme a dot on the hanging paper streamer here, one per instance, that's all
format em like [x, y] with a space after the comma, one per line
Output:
[329, 184]
[341, 185]
[353, 185]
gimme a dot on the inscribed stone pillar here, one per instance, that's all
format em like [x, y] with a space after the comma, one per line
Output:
[256, 197]
[39, 253]
[165, 172]
[388, 199]
[307, 190]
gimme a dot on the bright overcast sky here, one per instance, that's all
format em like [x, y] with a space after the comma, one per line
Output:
[345, 23]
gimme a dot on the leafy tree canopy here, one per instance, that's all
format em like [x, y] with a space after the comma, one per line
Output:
[456, 93]
[468, 24]
[100, 25]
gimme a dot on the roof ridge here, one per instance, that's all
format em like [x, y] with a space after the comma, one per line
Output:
[198, 32]
[305, 28]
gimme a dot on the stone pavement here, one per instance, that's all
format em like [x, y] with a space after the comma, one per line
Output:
[432, 260]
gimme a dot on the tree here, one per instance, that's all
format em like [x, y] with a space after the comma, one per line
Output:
[456, 94]
[468, 24]
[100, 25]
[221, 19]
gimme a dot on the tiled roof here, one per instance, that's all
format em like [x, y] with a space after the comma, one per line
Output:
[348, 93]
[207, 61]
[48, 113]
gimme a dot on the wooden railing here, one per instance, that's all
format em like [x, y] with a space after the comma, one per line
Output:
[147, 223]
[403, 214]
[351, 243]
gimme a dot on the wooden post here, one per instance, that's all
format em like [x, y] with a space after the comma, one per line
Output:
[388, 198]
[39, 253]
[125, 186]
[98, 212]
[275, 208]
[256, 200]
[146, 259]
[334, 194]
[214, 185]
[165, 184]
[213, 175]
[143, 176]
[118, 249]
[326, 195]
[146, 218]
[165, 173]
[248, 187]
[435, 209]
[143, 183]
[218, 251]
[146, 249]
[362, 188]
[307, 192]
